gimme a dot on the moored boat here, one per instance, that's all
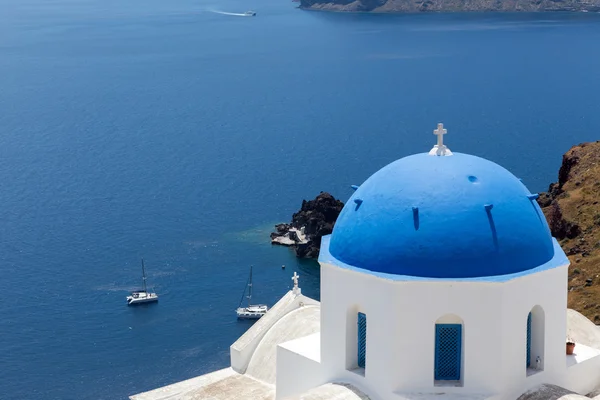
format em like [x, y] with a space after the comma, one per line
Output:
[143, 295]
[251, 311]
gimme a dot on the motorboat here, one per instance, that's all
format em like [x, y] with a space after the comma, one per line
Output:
[250, 13]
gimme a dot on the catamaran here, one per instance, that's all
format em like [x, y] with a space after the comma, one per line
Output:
[142, 296]
[251, 311]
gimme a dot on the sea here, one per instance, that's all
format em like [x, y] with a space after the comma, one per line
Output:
[181, 131]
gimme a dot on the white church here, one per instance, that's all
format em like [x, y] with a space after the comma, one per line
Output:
[441, 280]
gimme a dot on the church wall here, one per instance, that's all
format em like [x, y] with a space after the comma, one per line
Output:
[546, 290]
[470, 303]
[344, 294]
[401, 319]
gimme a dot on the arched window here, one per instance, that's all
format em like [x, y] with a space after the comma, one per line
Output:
[448, 348]
[535, 340]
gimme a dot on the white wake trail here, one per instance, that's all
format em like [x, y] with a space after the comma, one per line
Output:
[227, 13]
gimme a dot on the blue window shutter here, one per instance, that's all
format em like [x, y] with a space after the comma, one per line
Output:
[529, 340]
[448, 352]
[362, 339]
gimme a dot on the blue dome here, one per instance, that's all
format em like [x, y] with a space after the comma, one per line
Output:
[457, 216]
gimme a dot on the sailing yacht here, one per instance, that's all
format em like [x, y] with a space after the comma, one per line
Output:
[251, 311]
[142, 296]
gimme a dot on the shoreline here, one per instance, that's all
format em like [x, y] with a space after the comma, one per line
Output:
[335, 10]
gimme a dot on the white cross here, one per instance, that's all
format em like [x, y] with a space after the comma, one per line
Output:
[295, 279]
[440, 148]
[440, 132]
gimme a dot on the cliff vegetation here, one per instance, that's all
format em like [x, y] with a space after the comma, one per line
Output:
[572, 209]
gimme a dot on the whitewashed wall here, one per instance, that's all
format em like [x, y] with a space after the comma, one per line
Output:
[401, 319]
[547, 290]
[584, 377]
[296, 371]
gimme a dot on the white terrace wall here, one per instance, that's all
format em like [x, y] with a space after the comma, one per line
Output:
[298, 366]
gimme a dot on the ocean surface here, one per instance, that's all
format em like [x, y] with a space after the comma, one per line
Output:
[180, 132]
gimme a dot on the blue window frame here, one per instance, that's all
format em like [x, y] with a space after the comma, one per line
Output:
[528, 340]
[448, 348]
[362, 339]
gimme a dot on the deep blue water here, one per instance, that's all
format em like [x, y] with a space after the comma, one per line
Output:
[163, 130]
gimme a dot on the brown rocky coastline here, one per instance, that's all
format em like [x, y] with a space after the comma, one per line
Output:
[413, 6]
[572, 208]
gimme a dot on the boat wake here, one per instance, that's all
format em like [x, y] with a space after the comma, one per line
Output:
[229, 13]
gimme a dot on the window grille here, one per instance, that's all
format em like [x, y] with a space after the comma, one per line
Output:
[448, 343]
[529, 340]
[362, 339]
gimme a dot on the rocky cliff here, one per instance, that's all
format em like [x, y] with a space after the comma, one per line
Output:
[450, 5]
[315, 219]
[572, 209]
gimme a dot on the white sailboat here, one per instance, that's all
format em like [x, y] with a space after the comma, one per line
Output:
[142, 296]
[251, 311]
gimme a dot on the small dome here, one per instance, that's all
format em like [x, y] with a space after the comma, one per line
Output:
[456, 216]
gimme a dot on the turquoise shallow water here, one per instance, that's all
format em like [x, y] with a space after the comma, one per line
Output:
[169, 131]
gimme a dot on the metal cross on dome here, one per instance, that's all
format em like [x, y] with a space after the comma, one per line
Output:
[295, 279]
[440, 149]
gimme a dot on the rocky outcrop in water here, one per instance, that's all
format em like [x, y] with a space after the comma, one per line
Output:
[315, 219]
[411, 6]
